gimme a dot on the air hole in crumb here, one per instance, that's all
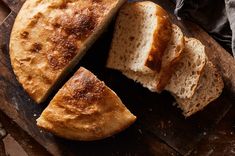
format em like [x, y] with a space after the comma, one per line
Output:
[193, 86]
[131, 38]
[182, 90]
[189, 63]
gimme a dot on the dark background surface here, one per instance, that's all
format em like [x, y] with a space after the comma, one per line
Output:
[160, 129]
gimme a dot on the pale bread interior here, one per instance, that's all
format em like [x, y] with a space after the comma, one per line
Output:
[209, 88]
[134, 37]
[186, 75]
[170, 57]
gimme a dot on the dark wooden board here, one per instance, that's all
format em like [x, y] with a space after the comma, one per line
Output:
[157, 118]
[221, 141]
[31, 147]
[4, 11]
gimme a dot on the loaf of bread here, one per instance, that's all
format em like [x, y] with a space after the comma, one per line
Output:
[85, 109]
[49, 38]
[184, 71]
[142, 33]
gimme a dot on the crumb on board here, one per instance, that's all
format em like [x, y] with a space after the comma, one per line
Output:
[3, 132]
[174, 103]
[140, 131]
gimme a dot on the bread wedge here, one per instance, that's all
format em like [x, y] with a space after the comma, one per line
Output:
[85, 109]
[50, 37]
[187, 72]
[209, 88]
[142, 33]
[156, 82]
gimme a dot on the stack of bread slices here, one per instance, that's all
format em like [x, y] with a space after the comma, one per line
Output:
[148, 48]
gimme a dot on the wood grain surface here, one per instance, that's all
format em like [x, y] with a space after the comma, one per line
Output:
[157, 118]
[4, 11]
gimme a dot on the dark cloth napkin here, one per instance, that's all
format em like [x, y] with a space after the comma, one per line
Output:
[217, 17]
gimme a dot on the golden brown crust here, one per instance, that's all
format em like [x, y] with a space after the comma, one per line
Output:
[85, 109]
[48, 35]
[162, 36]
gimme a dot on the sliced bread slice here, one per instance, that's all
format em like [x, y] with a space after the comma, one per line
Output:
[142, 32]
[210, 87]
[156, 82]
[85, 109]
[184, 80]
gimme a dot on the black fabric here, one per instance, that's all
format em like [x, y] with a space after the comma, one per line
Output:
[217, 17]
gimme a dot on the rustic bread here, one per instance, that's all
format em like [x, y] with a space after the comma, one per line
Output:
[185, 78]
[208, 89]
[156, 82]
[50, 37]
[85, 109]
[142, 32]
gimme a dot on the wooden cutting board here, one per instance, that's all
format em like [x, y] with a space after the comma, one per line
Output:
[157, 118]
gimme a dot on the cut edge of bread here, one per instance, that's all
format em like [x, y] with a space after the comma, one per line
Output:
[161, 38]
[151, 58]
[210, 88]
[189, 69]
[169, 66]
[156, 82]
